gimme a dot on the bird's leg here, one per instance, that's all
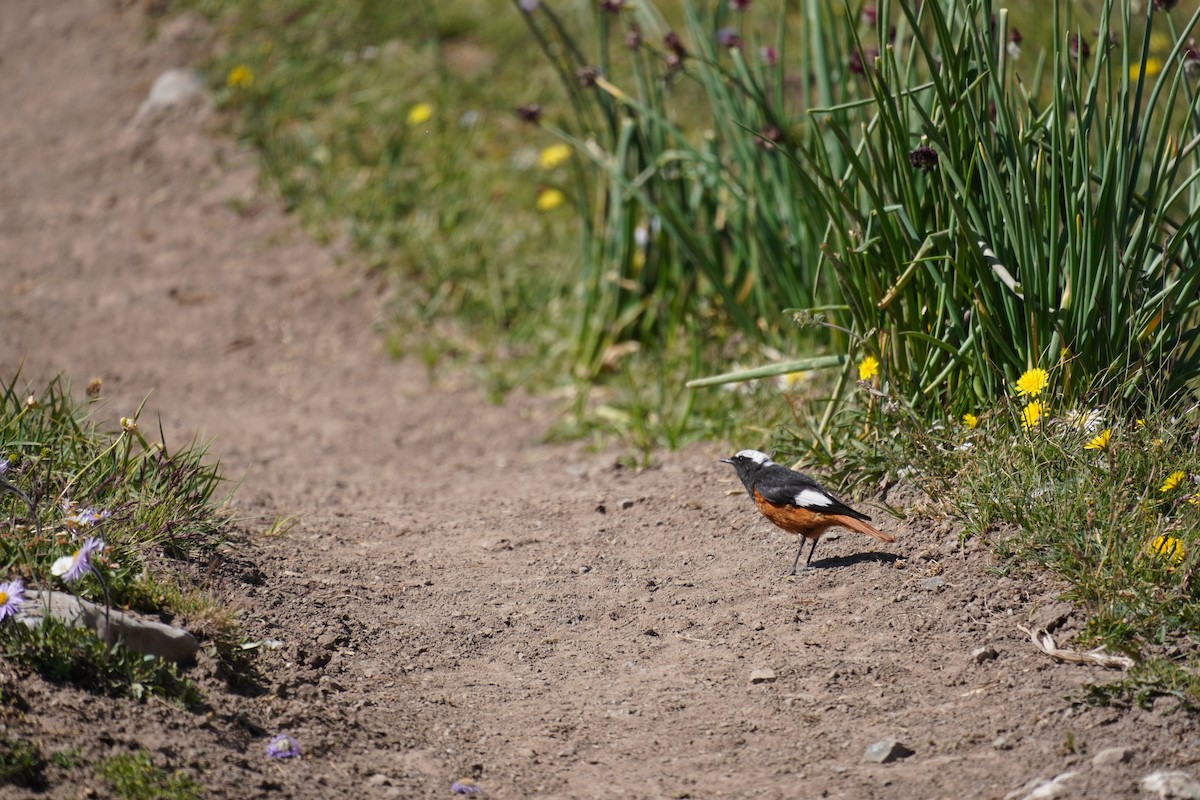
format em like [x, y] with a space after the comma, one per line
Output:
[811, 550]
[796, 563]
[799, 552]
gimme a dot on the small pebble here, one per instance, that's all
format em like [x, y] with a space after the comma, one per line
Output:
[1048, 790]
[886, 751]
[1171, 786]
[933, 584]
[1111, 755]
[762, 676]
[982, 654]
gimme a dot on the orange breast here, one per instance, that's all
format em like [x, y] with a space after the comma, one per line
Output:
[792, 519]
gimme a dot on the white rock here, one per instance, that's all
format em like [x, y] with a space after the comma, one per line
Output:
[1171, 786]
[982, 654]
[132, 630]
[174, 88]
[886, 751]
[1043, 790]
[1111, 755]
[762, 676]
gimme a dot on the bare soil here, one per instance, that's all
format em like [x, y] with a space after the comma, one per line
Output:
[459, 599]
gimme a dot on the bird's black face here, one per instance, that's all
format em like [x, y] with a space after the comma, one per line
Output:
[748, 464]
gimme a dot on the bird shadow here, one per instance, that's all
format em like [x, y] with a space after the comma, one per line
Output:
[855, 558]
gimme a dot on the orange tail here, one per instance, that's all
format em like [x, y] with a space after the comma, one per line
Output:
[862, 527]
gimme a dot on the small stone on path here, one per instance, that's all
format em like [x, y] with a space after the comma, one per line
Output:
[762, 676]
[174, 88]
[132, 630]
[933, 584]
[1171, 786]
[886, 751]
[1043, 790]
[1111, 755]
[982, 654]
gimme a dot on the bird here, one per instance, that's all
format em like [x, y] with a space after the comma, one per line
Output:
[796, 502]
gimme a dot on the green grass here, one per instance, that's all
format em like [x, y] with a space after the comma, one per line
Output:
[1108, 519]
[21, 763]
[61, 653]
[447, 203]
[447, 208]
[133, 776]
[157, 511]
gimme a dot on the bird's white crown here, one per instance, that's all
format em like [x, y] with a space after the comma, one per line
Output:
[762, 459]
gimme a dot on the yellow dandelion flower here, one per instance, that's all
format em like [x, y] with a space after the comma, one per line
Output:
[420, 114]
[1099, 442]
[793, 380]
[970, 420]
[1030, 414]
[240, 77]
[554, 155]
[1153, 67]
[868, 368]
[1168, 548]
[550, 199]
[1141, 423]
[1032, 382]
[1172, 482]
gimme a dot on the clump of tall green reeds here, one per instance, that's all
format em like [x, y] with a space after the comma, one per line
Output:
[902, 174]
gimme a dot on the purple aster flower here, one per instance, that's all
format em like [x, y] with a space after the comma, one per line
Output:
[87, 517]
[73, 567]
[739, 5]
[12, 596]
[465, 787]
[529, 6]
[869, 14]
[611, 6]
[769, 55]
[283, 746]
[3, 465]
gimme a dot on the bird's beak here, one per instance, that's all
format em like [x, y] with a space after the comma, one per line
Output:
[726, 460]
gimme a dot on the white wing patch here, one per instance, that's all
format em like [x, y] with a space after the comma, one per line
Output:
[762, 459]
[811, 497]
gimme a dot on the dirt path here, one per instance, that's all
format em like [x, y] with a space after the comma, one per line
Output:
[457, 599]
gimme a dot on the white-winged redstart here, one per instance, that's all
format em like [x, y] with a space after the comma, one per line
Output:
[797, 503]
